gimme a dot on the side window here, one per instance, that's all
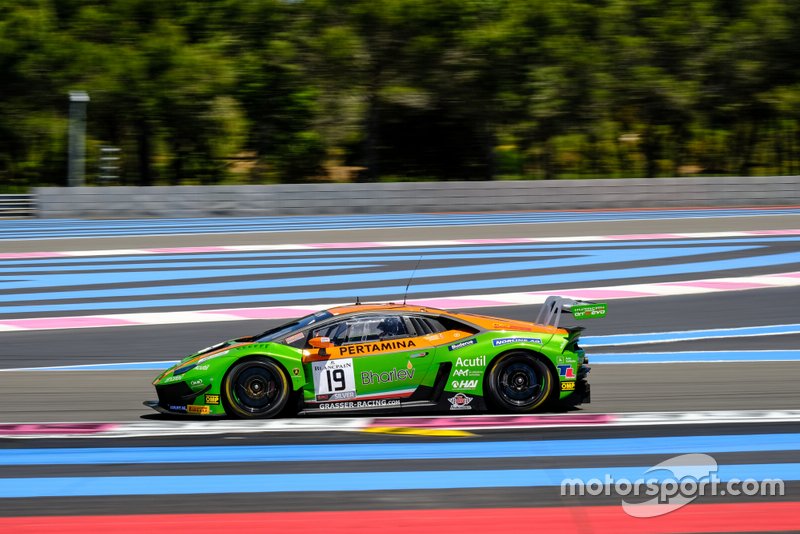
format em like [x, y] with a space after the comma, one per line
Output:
[391, 327]
[426, 325]
[364, 329]
[336, 331]
[434, 325]
[296, 340]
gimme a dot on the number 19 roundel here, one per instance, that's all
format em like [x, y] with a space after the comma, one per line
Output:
[334, 377]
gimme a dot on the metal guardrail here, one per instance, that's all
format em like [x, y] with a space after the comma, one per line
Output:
[17, 205]
[413, 197]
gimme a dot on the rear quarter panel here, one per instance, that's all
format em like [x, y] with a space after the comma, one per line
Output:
[472, 358]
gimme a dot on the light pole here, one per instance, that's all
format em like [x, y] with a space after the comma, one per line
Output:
[78, 101]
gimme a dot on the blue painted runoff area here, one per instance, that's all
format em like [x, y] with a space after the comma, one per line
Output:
[300, 292]
[698, 356]
[402, 451]
[73, 228]
[576, 258]
[688, 335]
[128, 366]
[350, 255]
[375, 481]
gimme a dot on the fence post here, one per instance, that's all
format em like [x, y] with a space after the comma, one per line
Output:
[78, 101]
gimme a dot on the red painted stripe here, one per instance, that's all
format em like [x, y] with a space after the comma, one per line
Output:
[744, 517]
[490, 422]
[35, 429]
[26, 255]
[90, 321]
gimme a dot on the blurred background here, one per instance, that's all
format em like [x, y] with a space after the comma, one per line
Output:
[333, 97]
[266, 91]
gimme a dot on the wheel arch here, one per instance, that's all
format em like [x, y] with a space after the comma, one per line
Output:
[536, 354]
[297, 380]
[247, 358]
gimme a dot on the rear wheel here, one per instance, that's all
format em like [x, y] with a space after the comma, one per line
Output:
[256, 388]
[519, 382]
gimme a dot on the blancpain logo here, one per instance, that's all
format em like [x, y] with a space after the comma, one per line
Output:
[347, 363]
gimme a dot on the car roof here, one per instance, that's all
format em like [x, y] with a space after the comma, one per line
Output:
[389, 306]
[484, 321]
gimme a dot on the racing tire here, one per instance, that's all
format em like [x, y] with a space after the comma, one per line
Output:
[255, 388]
[519, 382]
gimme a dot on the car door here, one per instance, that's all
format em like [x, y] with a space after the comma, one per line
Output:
[458, 347]
[373, 357]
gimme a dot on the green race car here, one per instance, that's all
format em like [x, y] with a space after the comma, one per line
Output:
[387, 357]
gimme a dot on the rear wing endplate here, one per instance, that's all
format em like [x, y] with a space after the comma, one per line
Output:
[550, 312]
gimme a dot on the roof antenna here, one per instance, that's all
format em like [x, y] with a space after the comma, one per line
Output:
[405, 293]
[358, 301]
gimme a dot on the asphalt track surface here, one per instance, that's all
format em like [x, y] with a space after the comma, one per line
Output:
[510, 501]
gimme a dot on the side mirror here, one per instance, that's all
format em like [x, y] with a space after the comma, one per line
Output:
[321, 342]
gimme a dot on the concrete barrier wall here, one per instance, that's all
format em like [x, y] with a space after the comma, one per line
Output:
[413, 197]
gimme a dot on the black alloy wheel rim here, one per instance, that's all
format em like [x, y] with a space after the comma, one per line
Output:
[256, 388]
[521, 384]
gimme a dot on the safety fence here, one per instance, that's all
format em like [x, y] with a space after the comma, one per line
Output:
[414, 197]
[17, 205]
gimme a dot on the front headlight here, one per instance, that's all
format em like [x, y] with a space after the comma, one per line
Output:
[181, 370]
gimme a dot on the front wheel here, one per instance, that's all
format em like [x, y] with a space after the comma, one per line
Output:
[256, 388]
[519, 382]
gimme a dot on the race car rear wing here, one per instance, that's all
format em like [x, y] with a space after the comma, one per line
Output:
[550, 312]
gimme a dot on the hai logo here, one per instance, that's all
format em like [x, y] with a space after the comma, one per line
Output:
[464, 384]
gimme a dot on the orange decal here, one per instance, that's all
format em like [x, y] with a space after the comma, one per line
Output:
[445, 338]
[365, 349]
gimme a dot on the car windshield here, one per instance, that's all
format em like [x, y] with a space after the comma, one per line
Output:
[287, 328]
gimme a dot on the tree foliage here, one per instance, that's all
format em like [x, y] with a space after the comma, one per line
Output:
[252, 91]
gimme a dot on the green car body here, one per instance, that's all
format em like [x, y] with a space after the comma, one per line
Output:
[386, 357]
